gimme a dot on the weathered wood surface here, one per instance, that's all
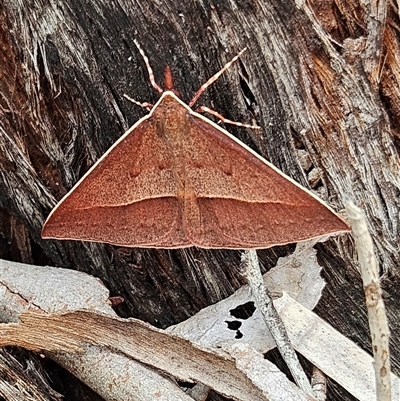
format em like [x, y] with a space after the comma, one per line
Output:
[321, 79]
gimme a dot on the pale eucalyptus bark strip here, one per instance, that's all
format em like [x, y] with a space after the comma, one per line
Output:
[272, 320]
[110, 354]
[45, 289]
[337, 356]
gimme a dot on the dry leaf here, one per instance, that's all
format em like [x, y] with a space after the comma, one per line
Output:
[298, 274]
[113, 340]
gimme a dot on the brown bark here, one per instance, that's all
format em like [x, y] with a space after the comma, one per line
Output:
[320, 78]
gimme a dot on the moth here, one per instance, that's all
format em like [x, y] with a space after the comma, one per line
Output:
[176, 179]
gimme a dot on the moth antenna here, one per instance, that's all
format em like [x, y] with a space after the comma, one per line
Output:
[214, 78]
[149, 70]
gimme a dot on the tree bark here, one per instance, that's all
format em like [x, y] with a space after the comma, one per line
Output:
[320, 78]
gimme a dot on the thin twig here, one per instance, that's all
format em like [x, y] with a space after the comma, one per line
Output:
[272, 319]
[373, 295]
[318, 384]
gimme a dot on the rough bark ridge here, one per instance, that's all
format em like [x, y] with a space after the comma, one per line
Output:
[320, 78]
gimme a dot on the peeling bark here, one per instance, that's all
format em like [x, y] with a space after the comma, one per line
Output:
[320, 78]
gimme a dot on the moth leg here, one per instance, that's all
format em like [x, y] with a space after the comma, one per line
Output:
[145, 105]
[205, 109]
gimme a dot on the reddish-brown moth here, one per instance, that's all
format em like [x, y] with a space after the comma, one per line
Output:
[175, 179]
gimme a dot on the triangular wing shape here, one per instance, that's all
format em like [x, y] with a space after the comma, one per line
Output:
[242, 201]
[128, 198]
[176, 179]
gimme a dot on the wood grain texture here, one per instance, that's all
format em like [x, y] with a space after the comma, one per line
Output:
[65, 67]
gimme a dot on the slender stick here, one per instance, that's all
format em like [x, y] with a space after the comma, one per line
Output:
[373, 295]
[318, 384]
[272, 319]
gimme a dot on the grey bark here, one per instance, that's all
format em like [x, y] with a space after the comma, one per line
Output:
[320, 78]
